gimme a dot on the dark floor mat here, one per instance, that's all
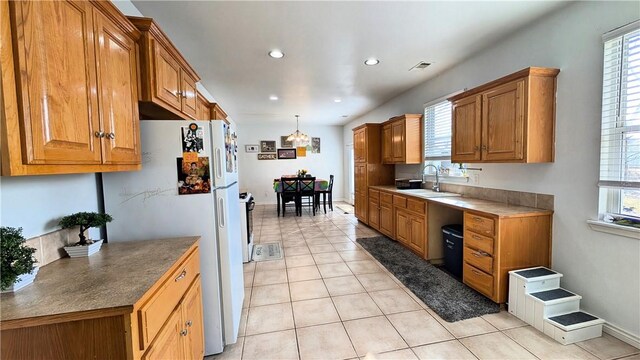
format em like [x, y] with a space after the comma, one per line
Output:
[449, 298]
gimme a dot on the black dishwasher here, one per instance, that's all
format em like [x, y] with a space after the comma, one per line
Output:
[452, 242]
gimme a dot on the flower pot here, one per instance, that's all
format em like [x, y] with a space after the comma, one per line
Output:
[86, 250]
[23, 280]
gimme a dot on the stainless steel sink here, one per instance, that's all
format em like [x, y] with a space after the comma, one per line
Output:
[424, 193]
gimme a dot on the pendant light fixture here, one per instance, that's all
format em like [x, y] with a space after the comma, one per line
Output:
[298, 138]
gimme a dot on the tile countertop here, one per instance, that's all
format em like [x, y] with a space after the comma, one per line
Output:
[499, 209]
[115, 278]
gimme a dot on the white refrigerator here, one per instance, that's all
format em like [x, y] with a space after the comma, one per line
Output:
[188, 186]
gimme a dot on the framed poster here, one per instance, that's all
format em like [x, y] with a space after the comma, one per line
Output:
[267, 146]
[315, 145]
[302, 151]
[192, 138]
[286, 153]
[285, 143]
[251, 148]
[266, 156]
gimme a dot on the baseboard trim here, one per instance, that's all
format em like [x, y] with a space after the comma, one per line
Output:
[621, 335]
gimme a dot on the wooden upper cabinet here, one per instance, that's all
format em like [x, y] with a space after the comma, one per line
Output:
[203, 112]
[467, 129]
[69, 79]
[217, 113]
[118, 93]
[402, 140]
[359, 150]
[511, 119]
[57, 81]
[168, 82]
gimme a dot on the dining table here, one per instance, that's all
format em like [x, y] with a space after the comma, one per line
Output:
[320, 185]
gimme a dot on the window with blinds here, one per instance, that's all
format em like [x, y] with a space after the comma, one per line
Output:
[437, 131]
[620, 137]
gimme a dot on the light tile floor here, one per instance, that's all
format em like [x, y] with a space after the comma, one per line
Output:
[328, 299]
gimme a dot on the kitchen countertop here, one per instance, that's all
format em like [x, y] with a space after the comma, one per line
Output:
[465, 203]
[115, 278]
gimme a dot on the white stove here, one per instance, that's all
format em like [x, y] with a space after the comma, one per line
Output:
[246, 224]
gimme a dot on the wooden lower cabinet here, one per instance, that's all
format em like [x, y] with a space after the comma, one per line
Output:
[403, 223]
[493, 246]
[418, 234]
[386, 220]
[169, 340]
[374, 214]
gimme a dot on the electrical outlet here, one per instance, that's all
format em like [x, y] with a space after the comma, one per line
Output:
[476, 179]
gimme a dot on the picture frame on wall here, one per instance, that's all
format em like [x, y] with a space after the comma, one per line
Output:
[251, 148]
[268, 146]
[266, 156]
[286, 154]
[315, 145]
[285, 143]
[301, 151]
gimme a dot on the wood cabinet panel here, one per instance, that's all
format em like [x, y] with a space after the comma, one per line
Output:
[478, 259]
[503, 122]
[478, 242]
[478, 280]
[168, 83]
[374, 213]
[418, 235]
[386, 220]
[466, 129]
[387, 144]
[188, 94]
[480, 224]
[397, 141]
[57, 81]
[192, 318]
[118, 79]
[168, 344]
[403, 227]
[359, 145]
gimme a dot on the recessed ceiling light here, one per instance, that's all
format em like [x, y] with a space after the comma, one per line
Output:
[371, 61]
[276, 54]
[337, 100]
[273, 97]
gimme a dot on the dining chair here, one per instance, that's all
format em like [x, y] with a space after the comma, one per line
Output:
[289, 192]
[328, 192]
[307, 190]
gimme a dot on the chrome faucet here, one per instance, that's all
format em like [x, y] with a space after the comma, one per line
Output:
[436, 186]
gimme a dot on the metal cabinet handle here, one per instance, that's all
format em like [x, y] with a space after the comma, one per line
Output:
[189, 323]
[477, 219]
[181, 276]
[111, 136]
[476, 237]
[99, 134]
[179, 94]
[483, 147]
[184, 332]
[475, 272]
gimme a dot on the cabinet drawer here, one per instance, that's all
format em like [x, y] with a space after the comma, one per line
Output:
[154, 312]
[478, 242]
[400, 201]
[386, 198]
[374, 195]
[478, 280]
[480, 224]
[416, 205]
[479, 259]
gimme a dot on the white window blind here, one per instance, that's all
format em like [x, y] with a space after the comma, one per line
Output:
[437, 134]
[620, 137]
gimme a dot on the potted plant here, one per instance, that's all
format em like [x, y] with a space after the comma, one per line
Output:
[84, 220]
[17, 260]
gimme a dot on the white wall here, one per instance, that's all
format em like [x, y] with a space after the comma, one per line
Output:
[257, 176]
[604, 268]
[36, 203]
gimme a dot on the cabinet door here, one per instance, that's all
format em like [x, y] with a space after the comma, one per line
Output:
[118, 84]
[466, 130]
[361, 177]
[398, 143]
[192, 321]
[54, 42]
[374, 214]
[417, 235]
[168, 343]
[403, 227]
[387, 144]
[167, 75]
[361, 206]
[189, 97]
[503, 122]
[358, 145]
[386, 220]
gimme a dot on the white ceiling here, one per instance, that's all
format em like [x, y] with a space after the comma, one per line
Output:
[326, 44]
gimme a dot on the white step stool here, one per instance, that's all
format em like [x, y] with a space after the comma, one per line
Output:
[573, 327]
[525, 281]
[549, 303]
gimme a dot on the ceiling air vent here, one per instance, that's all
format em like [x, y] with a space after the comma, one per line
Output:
[421, 65]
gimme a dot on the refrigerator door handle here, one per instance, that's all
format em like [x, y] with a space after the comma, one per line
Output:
[218, 163]
[221, 214]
